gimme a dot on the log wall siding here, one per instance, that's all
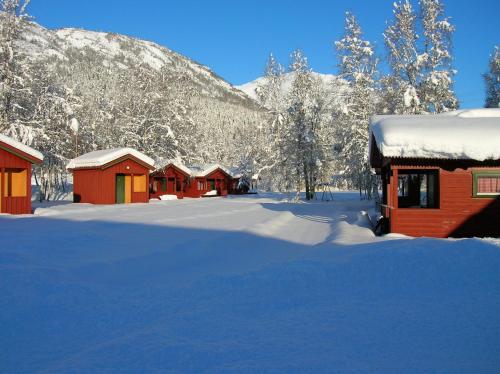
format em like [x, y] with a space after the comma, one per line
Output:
[459, 214]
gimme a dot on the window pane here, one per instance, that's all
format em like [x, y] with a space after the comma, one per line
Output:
[488, 185]
[403, 184]
[432, 196]
[418, 189]
[423, 191]
[19, 182]
[139, 183]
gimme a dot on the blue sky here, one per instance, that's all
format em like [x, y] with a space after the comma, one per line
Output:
[235, 37]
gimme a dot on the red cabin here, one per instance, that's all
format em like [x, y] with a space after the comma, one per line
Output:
[172, 179]
[440, 173]
[111, 176]
[15, 175]
[214, 180]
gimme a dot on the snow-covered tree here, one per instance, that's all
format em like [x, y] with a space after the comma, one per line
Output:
[34, 109]
[13, 75]
[492, 80]
[405, 62]
[270, 95]
[421, 74]
[357, 65]
[272, 158]
[307, 141]
[436, 88]
[147, 118]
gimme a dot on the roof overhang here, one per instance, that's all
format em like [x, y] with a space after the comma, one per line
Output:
[173, 165]
[208, 174]
[114, 162]
[19, 153]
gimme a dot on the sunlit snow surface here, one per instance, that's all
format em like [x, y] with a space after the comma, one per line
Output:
[246, 284]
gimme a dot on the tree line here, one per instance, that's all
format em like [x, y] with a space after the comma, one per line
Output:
[312, 136]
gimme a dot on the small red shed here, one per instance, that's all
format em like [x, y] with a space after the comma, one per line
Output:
[172, 179]
[15, 175]
[440, 173]
[111, 176]
[209, 181]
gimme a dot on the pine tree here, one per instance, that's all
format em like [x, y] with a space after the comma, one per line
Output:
[270, 94]
[421, 74]
[272, 154]
[297, 129]
[406, 64]
[307, 139]
[492, 81]
[358, 66]
[436, 88]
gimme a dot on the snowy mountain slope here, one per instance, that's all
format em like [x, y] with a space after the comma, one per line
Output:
[120, 51]
[251, 87]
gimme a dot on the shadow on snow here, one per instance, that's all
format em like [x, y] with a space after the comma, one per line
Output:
[99, 296]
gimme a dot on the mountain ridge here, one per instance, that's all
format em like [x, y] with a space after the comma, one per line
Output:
[39, 43]
[250, 88]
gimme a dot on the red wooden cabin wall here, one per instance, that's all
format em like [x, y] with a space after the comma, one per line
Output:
[224, 186]
[97, 186]
[169, 172]
[15, 205]
[459, 213]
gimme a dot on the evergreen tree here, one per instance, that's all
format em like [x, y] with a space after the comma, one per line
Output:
[307, 138]
[272, 153]
[358, 66]
[492, 81]
[405, 62]
[436, 88]
[421, 74]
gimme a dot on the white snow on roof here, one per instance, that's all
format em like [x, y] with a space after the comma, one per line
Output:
[462, 134]
[179, 166]
[202, 171]
[100, 158]
[21, 146]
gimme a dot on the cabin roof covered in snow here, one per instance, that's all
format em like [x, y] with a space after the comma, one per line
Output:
[178, 165]
[97, 159]
[472, 134]
[35, 156]
[204, 170]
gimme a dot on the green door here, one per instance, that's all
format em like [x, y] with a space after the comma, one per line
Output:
[211, 182]
[120, 189]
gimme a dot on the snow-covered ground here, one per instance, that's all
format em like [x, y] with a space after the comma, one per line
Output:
[241, 284]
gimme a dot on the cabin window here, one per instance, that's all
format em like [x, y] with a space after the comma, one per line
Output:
[15, 183]
[418, 189]
[139, 183]
[201, 186]
[486, 184]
